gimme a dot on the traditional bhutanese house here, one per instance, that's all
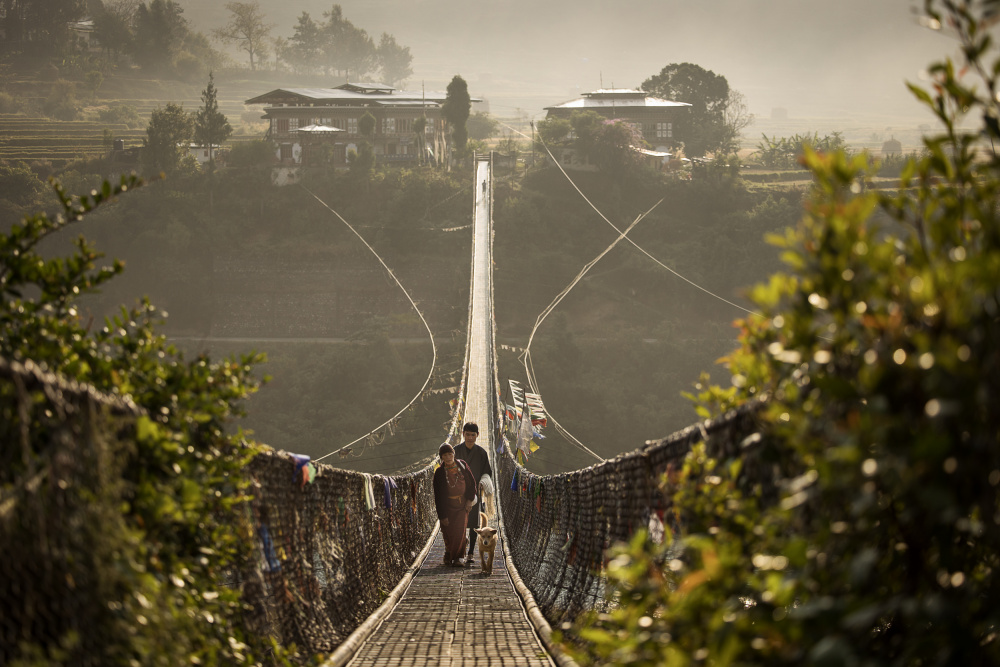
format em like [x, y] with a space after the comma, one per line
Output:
[306, 123]
[652, 116]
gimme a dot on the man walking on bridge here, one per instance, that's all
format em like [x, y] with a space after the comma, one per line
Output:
[479, 462]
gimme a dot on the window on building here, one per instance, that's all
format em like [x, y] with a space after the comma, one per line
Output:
[388, 126]
[404, 125]
[293, 124]
[429, 127]
[352, 125]
[281, 125]
[664, 130]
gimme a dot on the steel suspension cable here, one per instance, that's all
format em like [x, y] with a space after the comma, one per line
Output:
[413, 303]
[636, 245]
[526, 355]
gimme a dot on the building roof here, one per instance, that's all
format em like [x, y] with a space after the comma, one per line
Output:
[344, 94]
[646, 151]
[606, 98]
[318, 129]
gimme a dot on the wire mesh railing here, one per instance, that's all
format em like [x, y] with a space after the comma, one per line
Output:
[60, 478]
[323, 548]
[328, 552]
[560, 527]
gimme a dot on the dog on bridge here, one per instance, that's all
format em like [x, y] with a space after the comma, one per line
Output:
[487, 535]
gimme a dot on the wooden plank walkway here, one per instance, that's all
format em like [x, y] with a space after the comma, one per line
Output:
[450, 616]
[455, 617]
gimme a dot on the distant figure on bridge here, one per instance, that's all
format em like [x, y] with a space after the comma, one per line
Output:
[454, 496]
[484, 188]
[479, 464]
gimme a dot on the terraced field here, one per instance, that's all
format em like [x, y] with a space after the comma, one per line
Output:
[30, 136]
[34, 138]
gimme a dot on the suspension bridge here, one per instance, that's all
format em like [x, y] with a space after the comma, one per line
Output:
[554, 531]
[349, 565]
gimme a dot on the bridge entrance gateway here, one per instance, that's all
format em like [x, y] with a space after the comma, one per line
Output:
[448, 616]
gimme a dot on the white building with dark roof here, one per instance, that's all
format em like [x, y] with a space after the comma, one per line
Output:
[310, 125]
[653, 116]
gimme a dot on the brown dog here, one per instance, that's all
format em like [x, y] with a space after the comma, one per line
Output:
[487, 535]
[487, 543]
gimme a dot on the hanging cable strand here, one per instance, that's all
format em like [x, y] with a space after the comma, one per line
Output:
[430, 334]
[528, 368]
[634, 244]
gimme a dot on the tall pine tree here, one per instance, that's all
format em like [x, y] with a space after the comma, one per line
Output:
[455, 109]
[211, 127]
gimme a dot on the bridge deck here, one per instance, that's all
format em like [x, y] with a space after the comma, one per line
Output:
[457, 616]
[450, 617]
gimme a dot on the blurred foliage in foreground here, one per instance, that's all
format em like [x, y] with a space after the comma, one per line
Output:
[878, 357]
[117, 529]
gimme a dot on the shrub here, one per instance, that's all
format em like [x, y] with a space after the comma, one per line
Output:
[123, 114]
[877, 356]
[61, 103]
[9, 103]
[156, 534]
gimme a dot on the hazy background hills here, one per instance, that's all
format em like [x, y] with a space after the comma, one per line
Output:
[847, 59]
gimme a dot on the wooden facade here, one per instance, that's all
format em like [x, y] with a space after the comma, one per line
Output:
[321, 125]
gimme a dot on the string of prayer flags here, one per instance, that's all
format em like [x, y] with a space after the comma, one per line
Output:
[516, 393]
[537, 408]
[524, 434]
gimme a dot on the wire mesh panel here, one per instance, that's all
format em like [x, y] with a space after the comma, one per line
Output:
[63, 447]
[320, 555]
[328, 552]
[560, 527]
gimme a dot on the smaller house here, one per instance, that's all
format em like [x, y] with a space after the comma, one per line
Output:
[652, 116]
[201, 153]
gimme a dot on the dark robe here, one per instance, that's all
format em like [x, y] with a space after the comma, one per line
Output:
[479, 463]
[452, 490]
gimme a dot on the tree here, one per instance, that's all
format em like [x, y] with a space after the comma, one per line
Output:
[113, 24]
[160, 33]
[347, 49]
[703, 128]
[167, 136]
[211, 127]
[876, 356]
[247, 29]
[19, 185]
[62, 102]
[613, 146]
[554, 130]
[455, 110]
[394, 61]
[153, 498]
[482, 126]
[40, 27]
[305, 46]
[735, 118]
[358, 52]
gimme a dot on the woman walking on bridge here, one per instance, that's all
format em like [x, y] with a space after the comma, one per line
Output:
[454, 496]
